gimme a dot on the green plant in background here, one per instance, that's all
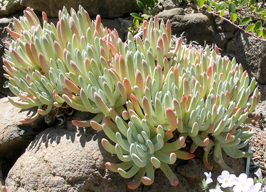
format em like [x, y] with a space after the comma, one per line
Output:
[149, 95]
[146, 13]
[252, 8]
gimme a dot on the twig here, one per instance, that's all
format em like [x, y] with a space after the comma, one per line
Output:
[241, 28]
[228, 20]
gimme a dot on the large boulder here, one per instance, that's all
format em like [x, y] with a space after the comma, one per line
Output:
[15, 136]
[200, 27]
[250, 52]
[74, 160]
[106, 8]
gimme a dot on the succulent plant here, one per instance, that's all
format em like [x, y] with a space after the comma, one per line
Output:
[41, 62]
[142, 148]
[149, 95]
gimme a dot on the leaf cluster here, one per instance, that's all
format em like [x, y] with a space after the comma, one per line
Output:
[248, 6]
[146, 13]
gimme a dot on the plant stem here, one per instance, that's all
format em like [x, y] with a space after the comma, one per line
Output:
[241, 28]
[228, 20]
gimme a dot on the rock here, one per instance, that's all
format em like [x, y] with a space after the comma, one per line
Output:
[15, 136]
[250, 52]
[169, 14]
[121, 25]
[169, 4]
[74, 160]
[200, 27]
[8, 7]
[106, 8]
[4, 22]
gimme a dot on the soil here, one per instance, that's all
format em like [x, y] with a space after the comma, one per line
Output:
[258, 140]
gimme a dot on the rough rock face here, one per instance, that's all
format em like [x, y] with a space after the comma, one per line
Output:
[250, 52]
[4, 22]
[199, 27]
[15, 136]
[9, 7]
[205, 28]
[169, 4]
[74, 160]
[106, 8]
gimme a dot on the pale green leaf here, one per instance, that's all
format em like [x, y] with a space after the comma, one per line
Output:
[259, 33]
[222, 13]
[250, 27]
[136, 22]
[233, 17]
[201, 3]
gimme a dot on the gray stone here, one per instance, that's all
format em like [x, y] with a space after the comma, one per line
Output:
[9, 7]
[74, 160]
[106, 8]
[250, 52]
[169, 14]
[169, 4]
[15, 136]
[4, 22]
[200, 27]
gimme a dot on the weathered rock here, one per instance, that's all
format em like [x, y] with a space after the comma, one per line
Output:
[9, 7]
[169, 4]
[15, 136]
[250, 52]
[121, 25]
[106, 8]
[4, 22]
[200, 27]
[71, 160]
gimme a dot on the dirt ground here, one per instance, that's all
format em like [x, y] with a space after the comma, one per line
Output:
[258, 140]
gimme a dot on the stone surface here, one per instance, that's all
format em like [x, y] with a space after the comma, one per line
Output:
[15, 136]
[250, 52]
[73, 159]
[200, 27]
[4, 22]
[106, 8]
[169, 4]
[9, 7]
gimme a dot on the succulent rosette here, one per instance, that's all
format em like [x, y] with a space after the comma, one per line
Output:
[142, 148]
[149, 95]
